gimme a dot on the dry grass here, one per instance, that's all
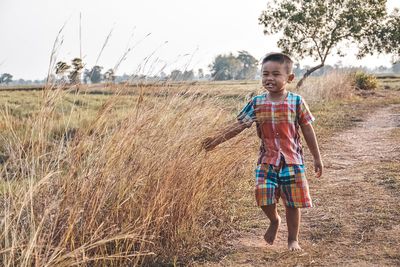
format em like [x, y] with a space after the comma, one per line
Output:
[91, 179]
[388, 170]
[129, 188]
[333, 86]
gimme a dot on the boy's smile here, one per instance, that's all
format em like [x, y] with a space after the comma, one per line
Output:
[275, 77]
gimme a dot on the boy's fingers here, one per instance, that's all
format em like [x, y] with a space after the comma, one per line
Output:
[318, 171]
[206, 144]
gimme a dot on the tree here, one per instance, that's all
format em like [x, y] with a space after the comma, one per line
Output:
[316, 28]
[383, 37]
[297, 70]
[225, 67]
[21, 81]
[163, 76]
[188, 75]
[176, 75]
[396, 67]
[95, 75]
[74, 75]
[86, 76]
[200, 73]
[6, 78]
[109, 75]
[61, 69]
[249, 66]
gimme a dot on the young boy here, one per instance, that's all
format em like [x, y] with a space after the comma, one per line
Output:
[280, 171]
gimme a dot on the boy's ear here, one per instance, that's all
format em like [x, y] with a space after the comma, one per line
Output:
[291, 77]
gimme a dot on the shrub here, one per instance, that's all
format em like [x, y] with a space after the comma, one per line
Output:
[365, 81]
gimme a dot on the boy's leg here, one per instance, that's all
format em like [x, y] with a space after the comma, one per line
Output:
[293, 216]
[295, 195]
[275, 220]
[267, 195]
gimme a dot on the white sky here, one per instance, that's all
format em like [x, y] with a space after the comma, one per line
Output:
[195, 31]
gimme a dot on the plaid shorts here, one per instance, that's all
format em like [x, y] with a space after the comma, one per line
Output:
[289, 183]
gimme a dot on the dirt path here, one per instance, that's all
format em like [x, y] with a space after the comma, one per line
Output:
[356, 219]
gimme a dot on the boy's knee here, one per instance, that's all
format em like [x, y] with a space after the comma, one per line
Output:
[291, 208]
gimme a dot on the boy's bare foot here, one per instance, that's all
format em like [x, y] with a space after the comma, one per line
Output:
[272, 231]
[293, 245]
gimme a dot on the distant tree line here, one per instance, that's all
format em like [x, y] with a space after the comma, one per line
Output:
[224, 67]
[73, 74]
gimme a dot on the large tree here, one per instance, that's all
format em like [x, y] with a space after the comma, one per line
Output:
[176, 75]
[225, 67]
[249, 66]
[188, 75]
[95, 74]
[318, 28]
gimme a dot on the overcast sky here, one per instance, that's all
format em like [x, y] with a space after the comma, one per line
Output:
[183, 33]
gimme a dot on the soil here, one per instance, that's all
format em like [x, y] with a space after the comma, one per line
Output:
[356, 218]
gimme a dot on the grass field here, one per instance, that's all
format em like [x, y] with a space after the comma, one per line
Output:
[114, 174]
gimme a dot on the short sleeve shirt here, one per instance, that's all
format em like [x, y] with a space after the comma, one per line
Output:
[278, 126]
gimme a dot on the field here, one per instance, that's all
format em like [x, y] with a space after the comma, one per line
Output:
[115, 175]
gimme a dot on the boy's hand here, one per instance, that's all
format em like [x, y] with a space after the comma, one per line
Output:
[318, 166]
[208, 143]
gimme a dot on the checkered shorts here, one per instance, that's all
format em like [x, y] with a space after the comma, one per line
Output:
[289, 183]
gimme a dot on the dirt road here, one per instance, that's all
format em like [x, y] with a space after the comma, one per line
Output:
[356, 218]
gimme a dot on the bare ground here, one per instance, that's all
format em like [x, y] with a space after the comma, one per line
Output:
[356, 218]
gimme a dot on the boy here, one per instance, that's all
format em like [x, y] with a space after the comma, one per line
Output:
[280, 171]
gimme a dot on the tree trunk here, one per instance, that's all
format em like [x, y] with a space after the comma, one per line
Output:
[308, 72]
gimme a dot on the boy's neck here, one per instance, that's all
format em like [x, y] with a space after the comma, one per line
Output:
[277, 96]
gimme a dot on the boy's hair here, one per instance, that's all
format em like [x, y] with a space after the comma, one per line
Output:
[281, 58]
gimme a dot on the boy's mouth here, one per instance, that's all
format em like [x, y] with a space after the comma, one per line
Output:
[269, 85]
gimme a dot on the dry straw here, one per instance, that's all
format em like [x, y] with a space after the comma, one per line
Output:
[128, 189]
[334, 85]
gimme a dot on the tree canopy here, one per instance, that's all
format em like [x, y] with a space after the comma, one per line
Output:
[317, 28]
[6, 78]
[229, 67]
[74, 75]
[95, 74]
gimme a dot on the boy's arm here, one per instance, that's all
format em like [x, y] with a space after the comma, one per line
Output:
[231, 131]
[311, 140]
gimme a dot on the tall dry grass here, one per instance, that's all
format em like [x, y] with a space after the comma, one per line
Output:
[119, 190]
[332, 86]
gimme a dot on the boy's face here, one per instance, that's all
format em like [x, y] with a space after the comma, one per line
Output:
[275, 77]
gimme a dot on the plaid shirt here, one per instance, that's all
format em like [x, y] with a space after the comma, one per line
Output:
[278, 127]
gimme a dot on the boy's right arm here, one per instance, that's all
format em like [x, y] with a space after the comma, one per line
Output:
[229, 132]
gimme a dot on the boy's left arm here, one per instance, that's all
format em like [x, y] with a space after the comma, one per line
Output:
[311, 140]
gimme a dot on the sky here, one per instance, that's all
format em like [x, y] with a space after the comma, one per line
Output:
[163, 35]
